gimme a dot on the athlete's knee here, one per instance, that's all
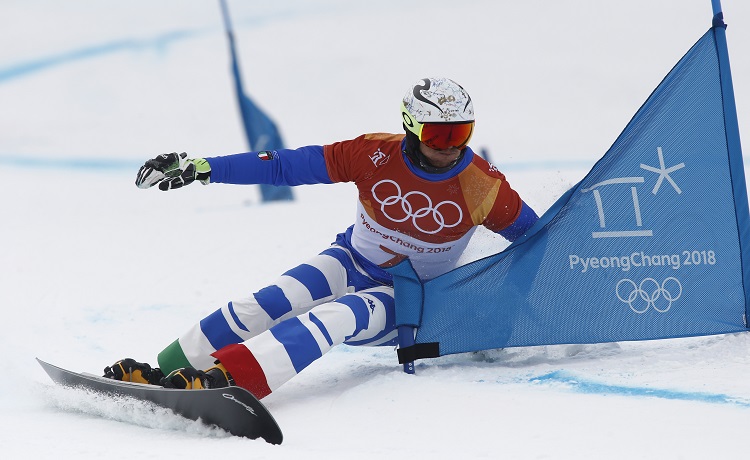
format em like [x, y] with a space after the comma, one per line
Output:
[362, 307]
[271, 300]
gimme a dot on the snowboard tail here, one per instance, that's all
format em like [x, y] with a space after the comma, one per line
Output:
[233, 409]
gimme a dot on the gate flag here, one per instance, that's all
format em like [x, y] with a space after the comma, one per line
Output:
[652, 243]
[260, 130]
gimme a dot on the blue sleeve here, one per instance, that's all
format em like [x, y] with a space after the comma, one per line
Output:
[521, 225]
[305, 165]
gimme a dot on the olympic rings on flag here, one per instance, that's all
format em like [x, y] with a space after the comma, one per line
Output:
[647, 294]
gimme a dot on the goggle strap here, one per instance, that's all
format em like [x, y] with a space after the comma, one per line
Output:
[411, 124]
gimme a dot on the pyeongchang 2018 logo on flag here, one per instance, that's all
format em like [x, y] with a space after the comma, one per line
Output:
[663, 175]
[649, 293]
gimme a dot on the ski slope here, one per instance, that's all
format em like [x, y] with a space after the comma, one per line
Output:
[94, 269]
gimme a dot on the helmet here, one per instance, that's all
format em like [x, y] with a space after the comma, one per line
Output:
[437, 101]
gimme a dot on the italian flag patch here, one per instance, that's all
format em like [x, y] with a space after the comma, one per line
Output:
[265, 155]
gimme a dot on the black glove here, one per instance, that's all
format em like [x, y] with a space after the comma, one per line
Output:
[129, 370]
[173, 170]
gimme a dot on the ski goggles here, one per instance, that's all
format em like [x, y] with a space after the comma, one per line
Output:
[439, 136]
[442, 136]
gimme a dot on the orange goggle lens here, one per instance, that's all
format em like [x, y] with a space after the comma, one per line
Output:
[442, 136]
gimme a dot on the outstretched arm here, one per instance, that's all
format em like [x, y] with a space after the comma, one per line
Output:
[305, 165]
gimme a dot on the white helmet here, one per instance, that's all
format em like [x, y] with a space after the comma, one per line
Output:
[438, 112]
[436, 100]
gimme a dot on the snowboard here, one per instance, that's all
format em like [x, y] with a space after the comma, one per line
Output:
[233, 409]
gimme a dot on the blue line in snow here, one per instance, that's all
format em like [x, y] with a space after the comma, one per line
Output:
[35, 65]
[159, 42]
[582, 385]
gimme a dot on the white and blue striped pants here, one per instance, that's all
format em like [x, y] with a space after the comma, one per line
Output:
[281, 329]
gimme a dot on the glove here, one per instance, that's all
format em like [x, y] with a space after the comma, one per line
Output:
[128, 370]
[173, 170]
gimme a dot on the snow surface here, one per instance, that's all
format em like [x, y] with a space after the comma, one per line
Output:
[94, 269]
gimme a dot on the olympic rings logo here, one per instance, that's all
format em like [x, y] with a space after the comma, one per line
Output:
[408, 208]
[649, 293]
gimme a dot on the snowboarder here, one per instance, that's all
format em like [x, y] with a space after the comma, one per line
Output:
[421, 196]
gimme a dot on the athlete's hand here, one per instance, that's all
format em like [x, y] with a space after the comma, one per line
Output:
[173, 170]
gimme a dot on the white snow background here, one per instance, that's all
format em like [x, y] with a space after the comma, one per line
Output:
[94, 269]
